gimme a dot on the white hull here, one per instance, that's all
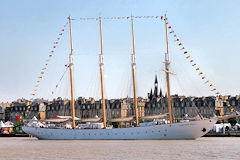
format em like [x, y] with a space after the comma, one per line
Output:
[186, 130]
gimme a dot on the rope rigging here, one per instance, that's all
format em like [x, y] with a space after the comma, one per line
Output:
[95, 82]
[195, 66]
[58, 83]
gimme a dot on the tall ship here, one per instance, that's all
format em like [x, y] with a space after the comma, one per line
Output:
[167, 130]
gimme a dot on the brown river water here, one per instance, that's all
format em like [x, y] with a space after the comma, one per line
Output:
[201, 149]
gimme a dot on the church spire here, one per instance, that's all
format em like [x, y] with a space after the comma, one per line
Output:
[151, 95]
[156, 81]
[160, 94]
[156, 87]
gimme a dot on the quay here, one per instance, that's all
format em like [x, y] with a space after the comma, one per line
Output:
[226, 134]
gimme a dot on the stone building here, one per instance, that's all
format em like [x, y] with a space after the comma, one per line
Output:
[87, 108]
[122, 108]
[1, 112]
[3, 106]
[155, 104]
[19, 108]
[84, 108]
[234, 103]
[183, 106]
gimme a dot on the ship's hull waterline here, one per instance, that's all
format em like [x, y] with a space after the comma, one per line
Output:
[186, 130]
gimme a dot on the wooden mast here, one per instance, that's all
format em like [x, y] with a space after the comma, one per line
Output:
[71, 76]
[133, 74]
[101, 64]
[167, 63]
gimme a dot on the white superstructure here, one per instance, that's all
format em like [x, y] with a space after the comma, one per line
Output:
[186, 130]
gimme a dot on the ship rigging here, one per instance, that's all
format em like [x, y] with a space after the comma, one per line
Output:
[167, 130]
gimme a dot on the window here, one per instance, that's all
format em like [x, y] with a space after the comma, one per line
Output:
[193, 111]
[182, 111]
[199, 104]
[233, 103]
[182, 104]
[176, 111]
[210, 110]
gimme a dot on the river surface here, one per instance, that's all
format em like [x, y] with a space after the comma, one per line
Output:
[201, 149]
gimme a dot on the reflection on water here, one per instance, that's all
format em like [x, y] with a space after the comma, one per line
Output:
[202, 148]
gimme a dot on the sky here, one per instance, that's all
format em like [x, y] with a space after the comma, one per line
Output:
[208, 29]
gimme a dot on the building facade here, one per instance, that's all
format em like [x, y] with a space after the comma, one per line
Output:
[155, 104]
[182, 106]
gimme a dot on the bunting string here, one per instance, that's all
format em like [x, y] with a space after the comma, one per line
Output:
[57, 85]
[171, 31]
[120, 18]
[201, 74]
[44, 69]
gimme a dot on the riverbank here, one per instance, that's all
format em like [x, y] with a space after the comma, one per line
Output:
[14, 135]
[226, 134]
